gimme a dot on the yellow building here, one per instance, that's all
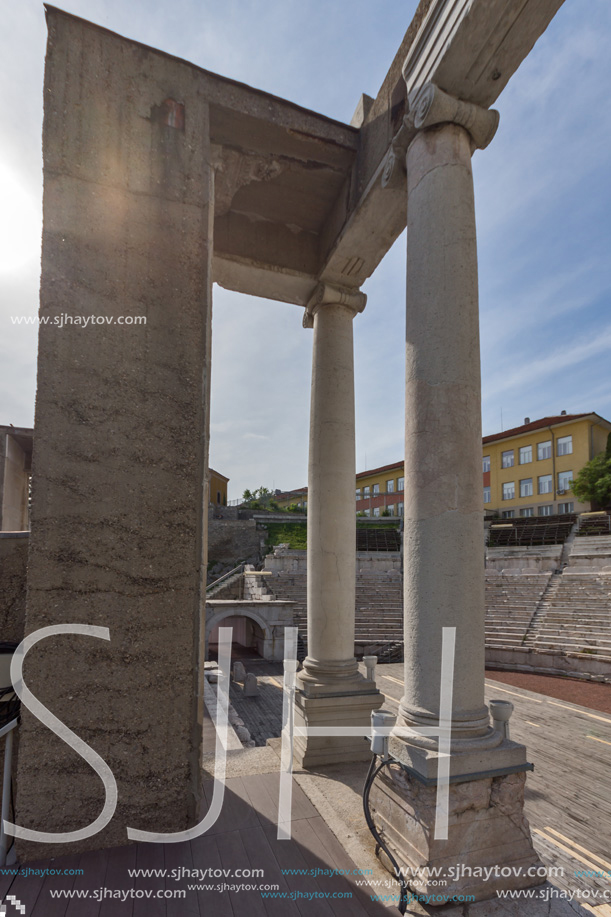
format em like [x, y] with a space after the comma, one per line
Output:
[528, 471]
[218, 488]
[380, 491]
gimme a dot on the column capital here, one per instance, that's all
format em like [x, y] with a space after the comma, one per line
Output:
[429, 105]
[327, 294]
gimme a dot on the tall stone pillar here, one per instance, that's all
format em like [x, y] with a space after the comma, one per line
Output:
[444, 539]
[121, 439]
[331, 691]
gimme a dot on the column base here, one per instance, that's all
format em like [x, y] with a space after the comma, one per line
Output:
[488, 848]
[339, 710]
[489, 754]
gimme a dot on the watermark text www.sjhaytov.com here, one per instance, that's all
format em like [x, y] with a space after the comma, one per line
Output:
[80, 321]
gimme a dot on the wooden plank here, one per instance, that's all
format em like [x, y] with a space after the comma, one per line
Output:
[261, 856]
[263, 797]
[118, 880]
[150, 856]
[237, 811]
[177, 857]
[317, 856]
[94, 864]
[289, 855]
[335, 853]
[206, 856]
[25, 886]
[46, 906]
[233, 856]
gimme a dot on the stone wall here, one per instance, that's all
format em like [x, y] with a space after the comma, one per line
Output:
[542, 559]
[233, 541]
[284, 560]
[122, 419]
[13, 572]
[525, 659]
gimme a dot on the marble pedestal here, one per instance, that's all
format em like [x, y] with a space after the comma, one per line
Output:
[488, 846]
[333, 710]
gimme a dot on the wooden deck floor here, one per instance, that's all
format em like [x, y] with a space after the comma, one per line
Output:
[244, 838]
[568, 804]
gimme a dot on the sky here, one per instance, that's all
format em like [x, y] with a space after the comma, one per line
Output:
[543, 204]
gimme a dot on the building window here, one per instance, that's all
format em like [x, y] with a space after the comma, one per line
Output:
[565, 480]
[390, 486]
[400, 484]
[486, 463]
[391, 509]
[565, 507]
[507, 459]
[367, 512]
[376, 489]
[547, 510]
[358, 493]
[399, 509]
[527, 511]
[544, 450]
[526, 487]
[508, 513]
[544, 484]
[376, 511]
[526, 455]
[366, 491]
[509, 490]
[218, 496]
[486, 495]
[564, 445]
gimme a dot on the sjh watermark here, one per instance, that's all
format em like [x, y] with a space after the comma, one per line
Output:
[220, 717]
[80, 321]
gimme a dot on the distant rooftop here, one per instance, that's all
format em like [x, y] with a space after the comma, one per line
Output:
[541, 424]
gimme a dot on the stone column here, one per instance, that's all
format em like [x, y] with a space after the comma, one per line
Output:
[444, 539]
[332, 692]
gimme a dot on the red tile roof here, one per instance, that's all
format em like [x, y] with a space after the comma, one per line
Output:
[365, 474]
[535, 425]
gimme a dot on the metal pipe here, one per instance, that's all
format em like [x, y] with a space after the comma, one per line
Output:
[6, 788]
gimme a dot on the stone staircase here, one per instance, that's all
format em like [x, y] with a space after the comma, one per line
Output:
[576, 617]
[512, 601]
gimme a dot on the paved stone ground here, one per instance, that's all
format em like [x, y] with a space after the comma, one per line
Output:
[262, 715]
[585, 693]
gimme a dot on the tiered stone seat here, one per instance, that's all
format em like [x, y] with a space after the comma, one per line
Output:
[591, 524]
[595, 548]
[511, 602]
[530, 532]
[574, 614]
[378, 611]
[388, 539]
[578, 618]
[379, 608]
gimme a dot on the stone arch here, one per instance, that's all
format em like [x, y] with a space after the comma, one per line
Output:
[237, 611]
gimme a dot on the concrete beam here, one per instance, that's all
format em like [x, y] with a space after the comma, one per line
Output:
[469, 48]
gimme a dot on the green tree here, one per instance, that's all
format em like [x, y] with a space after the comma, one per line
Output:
[593, 483]
[261, 498]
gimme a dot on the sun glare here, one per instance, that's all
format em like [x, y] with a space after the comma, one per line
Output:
[20, 223]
